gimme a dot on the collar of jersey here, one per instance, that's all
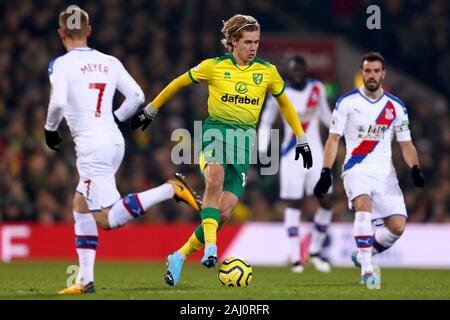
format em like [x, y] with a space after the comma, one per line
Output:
[361, 92]
[238, 66]
[82, 49]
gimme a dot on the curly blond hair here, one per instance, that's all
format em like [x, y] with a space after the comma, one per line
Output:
[235, 26]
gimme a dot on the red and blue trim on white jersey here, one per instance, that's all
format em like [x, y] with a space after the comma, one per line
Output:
[312, 103]
[367, 146]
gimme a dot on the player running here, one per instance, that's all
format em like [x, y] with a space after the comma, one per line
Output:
[83, 83]
[237, 84]
[310, 101]
[368, 117]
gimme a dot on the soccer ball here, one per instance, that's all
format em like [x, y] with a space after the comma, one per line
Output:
[235, 272]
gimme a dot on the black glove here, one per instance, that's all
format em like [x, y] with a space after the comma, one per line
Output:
[304, 149]
[324, 183]
[123, 126]
[417, 176]
[143, 118]
[116, 120]
[52, 139]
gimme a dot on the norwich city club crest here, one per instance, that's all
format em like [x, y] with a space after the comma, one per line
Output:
[257, 78]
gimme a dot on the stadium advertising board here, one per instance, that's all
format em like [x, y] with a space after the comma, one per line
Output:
[260, 243]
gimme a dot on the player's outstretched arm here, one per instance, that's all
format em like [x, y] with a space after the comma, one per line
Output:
[288, 112]
[411, 158]
[143, 118]
[329, 156]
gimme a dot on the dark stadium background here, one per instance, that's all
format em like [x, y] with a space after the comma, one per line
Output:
[157, 41]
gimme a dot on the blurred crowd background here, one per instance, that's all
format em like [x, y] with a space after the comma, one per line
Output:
[159, 40]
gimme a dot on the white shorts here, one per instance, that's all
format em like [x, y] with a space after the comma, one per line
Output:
[385, 193]
[296, 180]
[97, 176]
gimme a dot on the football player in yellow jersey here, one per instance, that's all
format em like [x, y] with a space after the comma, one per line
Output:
[237, 84]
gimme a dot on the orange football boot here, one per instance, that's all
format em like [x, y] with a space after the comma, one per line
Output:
[184, 193]
[79, 289]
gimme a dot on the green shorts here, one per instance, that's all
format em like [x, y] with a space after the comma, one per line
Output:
[229, 145]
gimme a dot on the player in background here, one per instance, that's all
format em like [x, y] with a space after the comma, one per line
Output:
[368, 117]
[237, 84]
[83, 83]
[310, 102]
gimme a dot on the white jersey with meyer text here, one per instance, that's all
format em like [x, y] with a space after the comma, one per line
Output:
[368, 127]
[83, 83]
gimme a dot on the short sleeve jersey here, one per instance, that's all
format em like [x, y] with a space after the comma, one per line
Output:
[368, 127]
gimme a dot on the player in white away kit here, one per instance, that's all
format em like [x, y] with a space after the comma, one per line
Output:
[310, 101]
[368, 117]
[83, 83]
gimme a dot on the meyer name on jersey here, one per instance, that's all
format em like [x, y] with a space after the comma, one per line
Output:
[83, 93]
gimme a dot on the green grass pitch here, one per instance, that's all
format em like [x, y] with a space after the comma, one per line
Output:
[125, 280]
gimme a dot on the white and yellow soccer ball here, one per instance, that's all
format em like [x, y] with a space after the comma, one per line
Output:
[235, 272]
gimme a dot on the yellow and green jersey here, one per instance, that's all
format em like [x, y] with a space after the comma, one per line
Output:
[237, 93]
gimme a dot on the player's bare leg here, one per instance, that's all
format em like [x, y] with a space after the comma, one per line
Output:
[363, 233]
[396, 226]
[227, 202]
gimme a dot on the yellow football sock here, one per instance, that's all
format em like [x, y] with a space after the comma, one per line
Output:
[191, 246]
[210, 229]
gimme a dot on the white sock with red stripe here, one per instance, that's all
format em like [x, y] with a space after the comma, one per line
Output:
[322, 220]
[86, 240]
[134, 205]
[292, 225]
[363, 233]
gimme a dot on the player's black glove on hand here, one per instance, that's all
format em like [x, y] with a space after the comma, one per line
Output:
[417, 176]
[143, 118]
[116, 120]
[122, 125]
[304, 149]
[52, 139]
[324, 183]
